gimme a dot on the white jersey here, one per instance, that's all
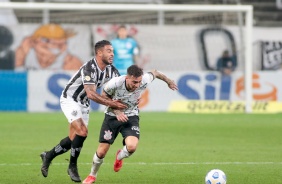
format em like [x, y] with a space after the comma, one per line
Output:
[117, 89]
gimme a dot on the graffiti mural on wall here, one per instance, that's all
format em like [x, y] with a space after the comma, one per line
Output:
[46, 48]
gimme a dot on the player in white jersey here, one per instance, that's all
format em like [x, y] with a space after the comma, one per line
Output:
[128, 89]
[75, 102]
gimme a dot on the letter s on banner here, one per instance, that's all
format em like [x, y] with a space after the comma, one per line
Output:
[185, 89]
[55, 88]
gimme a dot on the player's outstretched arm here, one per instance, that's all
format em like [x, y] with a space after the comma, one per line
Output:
[93, 95]
[171, 84]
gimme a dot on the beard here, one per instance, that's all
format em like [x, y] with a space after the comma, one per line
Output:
[106, 61]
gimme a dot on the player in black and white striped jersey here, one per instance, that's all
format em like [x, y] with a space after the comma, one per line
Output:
[75, 103]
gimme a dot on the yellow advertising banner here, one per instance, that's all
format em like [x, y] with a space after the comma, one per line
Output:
[213, 106]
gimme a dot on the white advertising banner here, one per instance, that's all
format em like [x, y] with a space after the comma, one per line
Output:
[45, 88]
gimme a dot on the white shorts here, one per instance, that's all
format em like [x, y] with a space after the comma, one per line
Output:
[74, 110]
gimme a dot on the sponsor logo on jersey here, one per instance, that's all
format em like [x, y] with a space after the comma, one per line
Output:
[136, 128]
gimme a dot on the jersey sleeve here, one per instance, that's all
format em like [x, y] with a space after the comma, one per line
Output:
[110, 87]
[148, 78]
[88, 75]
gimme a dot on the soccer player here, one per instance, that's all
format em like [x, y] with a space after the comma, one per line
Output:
[128, 89]
[75, 102]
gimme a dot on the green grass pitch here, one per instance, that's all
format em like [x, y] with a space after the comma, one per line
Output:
[174, 148]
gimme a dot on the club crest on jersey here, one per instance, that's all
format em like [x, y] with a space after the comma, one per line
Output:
[74, 113]
[108, 135]
[87, 78]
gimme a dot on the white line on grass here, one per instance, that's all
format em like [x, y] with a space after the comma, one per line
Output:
[160, 163]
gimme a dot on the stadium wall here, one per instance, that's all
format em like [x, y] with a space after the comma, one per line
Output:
[174, 50]
[161, 45]
[39, 91]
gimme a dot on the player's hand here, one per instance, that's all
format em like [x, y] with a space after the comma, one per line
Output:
[172, 85]
[117, 104]
[121, 117]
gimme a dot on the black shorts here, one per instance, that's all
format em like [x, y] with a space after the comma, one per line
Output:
[111, 127]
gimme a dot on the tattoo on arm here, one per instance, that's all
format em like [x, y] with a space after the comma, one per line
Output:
[116, 111]
[107, 96]
[161, 76]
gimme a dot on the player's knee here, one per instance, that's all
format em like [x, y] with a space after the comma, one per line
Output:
[78, 127]
[131, 148]
[82, 133]
[101, 154]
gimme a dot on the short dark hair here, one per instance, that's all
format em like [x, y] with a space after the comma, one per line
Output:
[101, 44]
[135, 71]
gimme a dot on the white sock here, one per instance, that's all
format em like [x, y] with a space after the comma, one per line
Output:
[123, 154]
[97, 162]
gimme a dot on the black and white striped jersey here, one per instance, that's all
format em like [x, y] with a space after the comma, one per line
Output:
[89, 73]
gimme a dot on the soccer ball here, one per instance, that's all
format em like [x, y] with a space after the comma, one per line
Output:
[215, 176]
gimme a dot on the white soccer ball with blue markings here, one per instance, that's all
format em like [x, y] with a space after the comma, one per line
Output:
[215, 176]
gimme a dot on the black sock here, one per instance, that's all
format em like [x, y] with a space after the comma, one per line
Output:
[76, 147]
[61, 148]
